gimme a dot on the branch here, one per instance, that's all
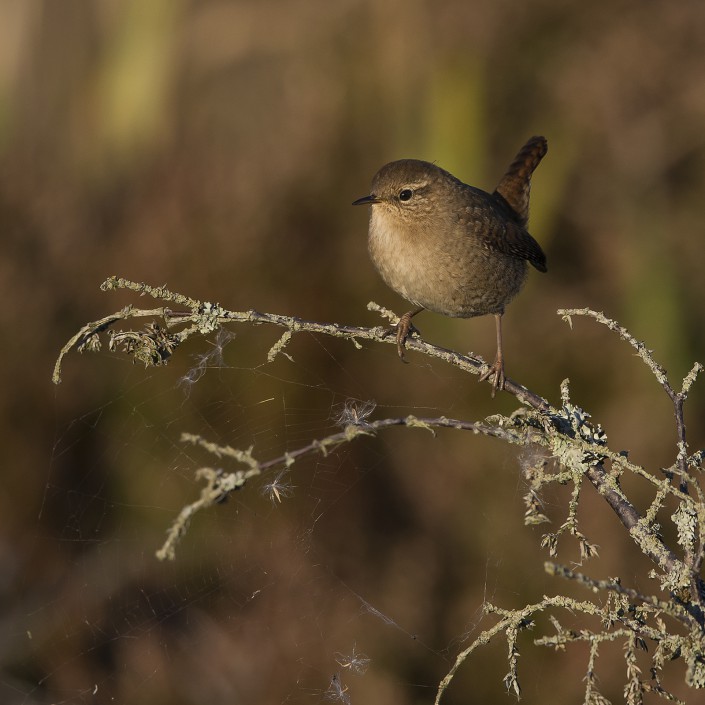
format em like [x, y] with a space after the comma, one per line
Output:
[205, 317]
[693, 558]
[155, 346]
[614, 585]
[219, 484]
[659, 372]
[510, 623]
[578, 446]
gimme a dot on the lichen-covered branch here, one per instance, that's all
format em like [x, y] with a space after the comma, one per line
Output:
[205, 317]
[687, 572]
[511, 622]
[564, 447]
[220, 483]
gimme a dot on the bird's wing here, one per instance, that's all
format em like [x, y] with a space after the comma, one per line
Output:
[492, 223]
[516, 241]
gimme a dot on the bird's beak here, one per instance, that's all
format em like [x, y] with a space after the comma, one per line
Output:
[366, 200]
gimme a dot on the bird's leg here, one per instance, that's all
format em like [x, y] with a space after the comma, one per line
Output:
[496, 370]
[404, 328]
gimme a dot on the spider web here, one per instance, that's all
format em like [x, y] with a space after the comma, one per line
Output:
[347, 580]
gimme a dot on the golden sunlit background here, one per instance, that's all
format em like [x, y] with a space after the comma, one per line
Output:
[216, 147]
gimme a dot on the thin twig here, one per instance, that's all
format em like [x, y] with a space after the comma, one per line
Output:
[613, 585]
[513, 618]
[206, 317]
[219, 484]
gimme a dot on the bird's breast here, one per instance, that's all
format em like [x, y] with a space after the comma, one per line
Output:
[398, 254]
[441, 266]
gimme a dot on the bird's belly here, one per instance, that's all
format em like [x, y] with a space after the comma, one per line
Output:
[455, 277]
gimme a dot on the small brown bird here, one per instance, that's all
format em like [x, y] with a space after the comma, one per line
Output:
[453, 248]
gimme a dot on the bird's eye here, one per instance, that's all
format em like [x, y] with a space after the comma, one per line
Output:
[405, 194]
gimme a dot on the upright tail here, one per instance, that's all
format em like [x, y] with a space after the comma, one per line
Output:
[515, 185]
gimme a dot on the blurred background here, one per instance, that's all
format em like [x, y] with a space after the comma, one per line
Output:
[216, 146]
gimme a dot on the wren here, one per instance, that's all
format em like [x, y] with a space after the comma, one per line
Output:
[453, 248]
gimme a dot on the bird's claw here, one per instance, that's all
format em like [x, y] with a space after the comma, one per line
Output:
[496, 371]
[403, 330]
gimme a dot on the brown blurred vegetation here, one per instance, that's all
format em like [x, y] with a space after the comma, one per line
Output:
[216, 146]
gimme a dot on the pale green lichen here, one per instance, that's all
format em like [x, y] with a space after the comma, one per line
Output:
[695, 673]
[685, 519]
[152, 347]
[690, 378]
[278, 347]
[384, 312]
[91, 343]
[241, 456]
[209, 318]
[413, 422]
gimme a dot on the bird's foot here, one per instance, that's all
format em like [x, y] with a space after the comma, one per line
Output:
[496, 372]
[403, 330]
